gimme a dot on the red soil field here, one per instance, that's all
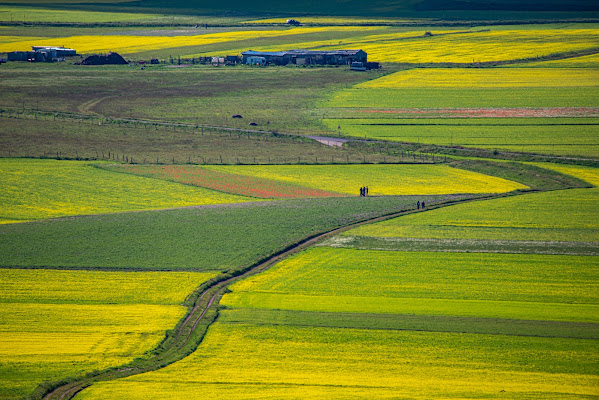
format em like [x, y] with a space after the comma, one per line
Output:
[224, 182]
[520, 112]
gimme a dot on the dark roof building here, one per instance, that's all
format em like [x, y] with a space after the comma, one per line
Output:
[307, 57]
[42, 54]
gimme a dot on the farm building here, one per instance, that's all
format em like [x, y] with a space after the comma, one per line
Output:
[42, 54]
[306, 57]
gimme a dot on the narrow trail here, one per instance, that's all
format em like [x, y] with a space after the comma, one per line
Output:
[181, 346]
[88, 106]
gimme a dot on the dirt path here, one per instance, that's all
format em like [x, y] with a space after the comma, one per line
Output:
[182, 343]
[87, 107]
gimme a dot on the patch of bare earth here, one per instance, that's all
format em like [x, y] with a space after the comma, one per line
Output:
[501, 112]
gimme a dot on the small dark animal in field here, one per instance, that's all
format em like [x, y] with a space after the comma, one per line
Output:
[253, 124]
[237, 116]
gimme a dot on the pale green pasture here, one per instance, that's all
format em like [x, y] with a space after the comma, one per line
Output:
[510, 310]
[588, 174]
[464, 97]
[590, 61]
[536, 287]
[556, 136]
[242, 361]
[34, 14]
[567, 215]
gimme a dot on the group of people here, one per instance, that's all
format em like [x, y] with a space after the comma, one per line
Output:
[364, 193]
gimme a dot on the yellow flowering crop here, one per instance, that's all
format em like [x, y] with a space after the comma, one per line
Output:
[131, 44]
[355, 40]
[40, 189]
[487, 78]
[98, 287]
[242, 361]
[589, 174]
[381, 179]
[483, 46]
[56, 324]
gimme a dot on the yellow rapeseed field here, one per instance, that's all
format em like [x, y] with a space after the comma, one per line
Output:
[98, 287]
[381, 179]
[486, 78]
[241, 361]
[355, 40]
[483, 46]
[588, 174]
[460, 46]
[41, 189]
[56, 323]
[128, 44]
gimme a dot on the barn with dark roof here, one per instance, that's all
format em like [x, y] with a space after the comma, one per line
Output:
[306, 57]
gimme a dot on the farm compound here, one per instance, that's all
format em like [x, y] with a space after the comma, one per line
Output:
[304, 57]
[42, 54]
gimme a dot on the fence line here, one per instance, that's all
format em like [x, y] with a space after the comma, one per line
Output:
[388, 154]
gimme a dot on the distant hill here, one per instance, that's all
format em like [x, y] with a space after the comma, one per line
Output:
[372, 7]
[388, 8]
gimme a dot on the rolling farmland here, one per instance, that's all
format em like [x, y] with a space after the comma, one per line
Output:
[446, 324]
[194, 238]
[532, 110]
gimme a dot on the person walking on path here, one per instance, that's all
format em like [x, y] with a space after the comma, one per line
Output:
[423, 205]
[418, 205]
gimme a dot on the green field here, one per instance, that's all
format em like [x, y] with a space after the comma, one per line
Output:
[186, 239]
[544, 111]
[463, 97]
[197, 95]
[467, 285]
[559, 136]
[562, 216]
[56, 324]
[74, 138]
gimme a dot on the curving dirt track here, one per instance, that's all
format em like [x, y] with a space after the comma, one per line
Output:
[182, 344]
